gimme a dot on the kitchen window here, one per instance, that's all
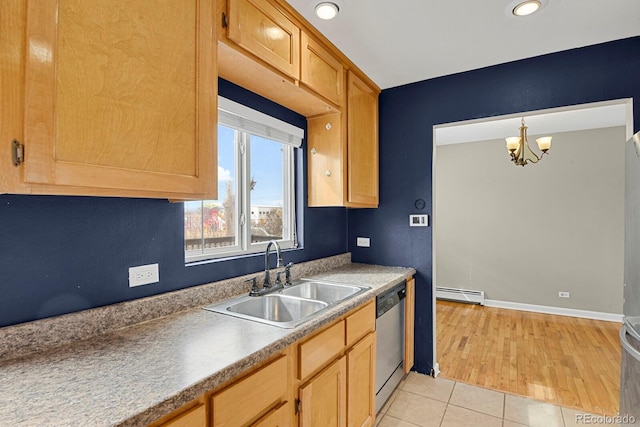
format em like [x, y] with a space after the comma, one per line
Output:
[255, 188]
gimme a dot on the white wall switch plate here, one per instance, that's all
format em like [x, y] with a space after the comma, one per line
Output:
[562, 294]
[363, 242]
[419, 220]
[143, 275]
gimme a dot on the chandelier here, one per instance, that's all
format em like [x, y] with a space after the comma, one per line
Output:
[519, 149]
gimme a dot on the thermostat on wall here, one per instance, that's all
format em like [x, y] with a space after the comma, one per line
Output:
[419, 220]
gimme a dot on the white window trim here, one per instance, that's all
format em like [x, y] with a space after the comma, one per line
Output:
[255, 122]
[239, 116]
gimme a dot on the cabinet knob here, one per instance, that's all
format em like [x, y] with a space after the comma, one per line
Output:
[328, 126]
[314, 151]
[327, 172]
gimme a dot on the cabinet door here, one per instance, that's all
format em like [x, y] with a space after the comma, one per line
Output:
[121, 95]
[361, 382]
[323, 399]
[321, 71]
[327, 154]
[409, 322]
[362, 143]
[259, 27]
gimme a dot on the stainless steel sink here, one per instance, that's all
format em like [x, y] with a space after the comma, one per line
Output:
[322, 291]
[274, 309]
[288, 307]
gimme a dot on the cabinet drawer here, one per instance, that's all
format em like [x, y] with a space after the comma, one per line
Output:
[361, 323]
[253, 395]
[277, 417]
[320, 349]
[196, 417]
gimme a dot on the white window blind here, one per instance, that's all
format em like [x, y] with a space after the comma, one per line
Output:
[239, 117]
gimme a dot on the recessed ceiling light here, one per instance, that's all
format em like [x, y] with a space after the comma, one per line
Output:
[526, 7]
[327, 10]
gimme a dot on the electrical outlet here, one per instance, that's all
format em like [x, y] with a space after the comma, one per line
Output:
[363, 242]
[143, 275]
[562, 294]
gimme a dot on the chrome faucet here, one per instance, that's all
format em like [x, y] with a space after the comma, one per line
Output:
[267, 282]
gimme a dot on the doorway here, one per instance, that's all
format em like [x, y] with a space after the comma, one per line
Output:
[501, 232]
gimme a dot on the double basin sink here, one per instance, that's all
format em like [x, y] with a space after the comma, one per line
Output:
[290, 306]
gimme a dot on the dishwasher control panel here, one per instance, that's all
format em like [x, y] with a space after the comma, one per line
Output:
[387, 300]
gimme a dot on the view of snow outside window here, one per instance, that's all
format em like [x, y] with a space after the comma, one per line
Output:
[215, 223]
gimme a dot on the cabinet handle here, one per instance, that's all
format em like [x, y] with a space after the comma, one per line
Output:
[314, 151]
[328, 126]
[327, 172]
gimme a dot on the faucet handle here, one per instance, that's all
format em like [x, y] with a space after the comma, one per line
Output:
[254, 286]
[278, 278]
[287, 274]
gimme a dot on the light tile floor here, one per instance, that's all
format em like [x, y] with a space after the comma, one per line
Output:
[421, 400]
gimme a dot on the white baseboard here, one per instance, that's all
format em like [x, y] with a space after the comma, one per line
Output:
[436, 370]
[585, 314]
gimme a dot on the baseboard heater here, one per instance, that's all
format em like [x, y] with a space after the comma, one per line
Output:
[461, 295]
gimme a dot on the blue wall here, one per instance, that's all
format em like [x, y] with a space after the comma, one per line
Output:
[408, 114]
[62, 254]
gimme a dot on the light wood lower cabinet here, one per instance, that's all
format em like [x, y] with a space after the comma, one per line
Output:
[323, 400]
[196, 417]
[409, 324]
[248, 399]
[277, 417]
[343, 391]
[327, 379]
[361, 378]
[193, 414]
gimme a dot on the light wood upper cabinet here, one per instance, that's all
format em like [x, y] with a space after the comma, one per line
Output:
[362, 127]
[321, 70]
[343, 151]
[327, 160]
[262, 29]
[121, 97]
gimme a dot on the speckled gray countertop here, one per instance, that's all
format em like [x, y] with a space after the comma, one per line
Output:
[134, 375]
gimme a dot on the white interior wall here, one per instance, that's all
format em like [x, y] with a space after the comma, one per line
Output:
[522, 234]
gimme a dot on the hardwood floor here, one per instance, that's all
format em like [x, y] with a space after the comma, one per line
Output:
[563, 360]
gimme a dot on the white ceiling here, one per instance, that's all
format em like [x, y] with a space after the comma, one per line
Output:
[539, 123]
[404, 41]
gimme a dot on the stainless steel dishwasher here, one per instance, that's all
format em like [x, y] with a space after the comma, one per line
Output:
[389, 342]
